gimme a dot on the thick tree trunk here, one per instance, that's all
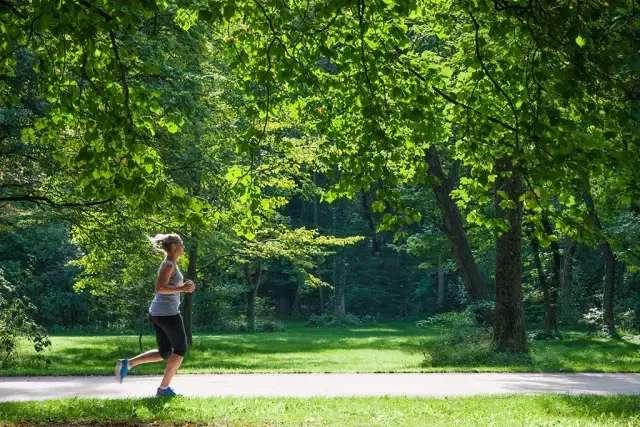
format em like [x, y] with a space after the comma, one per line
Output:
[454, 228]
[187, 303]
[609, 279]
[509, 330]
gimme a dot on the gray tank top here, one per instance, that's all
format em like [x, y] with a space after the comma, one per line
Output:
[167, 304]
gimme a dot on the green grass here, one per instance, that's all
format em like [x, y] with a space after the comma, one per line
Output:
[391, 347]
[360, 411]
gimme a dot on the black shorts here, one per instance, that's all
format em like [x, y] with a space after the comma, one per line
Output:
[170, 334]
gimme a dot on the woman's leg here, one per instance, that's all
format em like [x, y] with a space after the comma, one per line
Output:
[162, 352]
[173, 363]
[174, 328]
[146, 357]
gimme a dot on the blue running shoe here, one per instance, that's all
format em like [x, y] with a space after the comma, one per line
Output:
[166, 392]
[122, 369]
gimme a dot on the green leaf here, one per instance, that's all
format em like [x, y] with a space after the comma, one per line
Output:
[581, 41]
[377, 206]
[171, 127]
[186, 18]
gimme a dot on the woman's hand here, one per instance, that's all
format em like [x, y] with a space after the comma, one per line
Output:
[188, 286]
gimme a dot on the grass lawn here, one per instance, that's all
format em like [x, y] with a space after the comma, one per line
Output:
[391, 347]
[361, 411]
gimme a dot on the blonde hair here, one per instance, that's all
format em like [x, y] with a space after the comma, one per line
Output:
[163, 242]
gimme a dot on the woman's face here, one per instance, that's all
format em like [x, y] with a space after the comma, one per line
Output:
[177, 248]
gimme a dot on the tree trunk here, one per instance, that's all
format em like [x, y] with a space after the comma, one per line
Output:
[339, 305]
[441, 287]
[315, 203]
[610, 261]
[568, 308]
[315, 226]
[251, 309]
[251, 301]
[554, 285]
[454, 228]
[550, 286]
[368, 215]
[567, 268]
[295, 305]
[322, 299]
[550, 317]
[187, 303]
[509, 330]
[608, 288]
[284, 304]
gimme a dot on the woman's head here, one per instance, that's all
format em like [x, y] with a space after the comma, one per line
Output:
[171, 244]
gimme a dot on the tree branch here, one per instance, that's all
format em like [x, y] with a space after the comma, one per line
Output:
[43, 199]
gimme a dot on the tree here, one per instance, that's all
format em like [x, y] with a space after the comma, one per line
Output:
[300, 247]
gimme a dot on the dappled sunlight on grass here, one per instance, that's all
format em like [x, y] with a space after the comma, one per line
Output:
[367, 330]
[352, 411]
[379, 348]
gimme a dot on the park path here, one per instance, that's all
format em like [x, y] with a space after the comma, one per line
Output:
[321, 384]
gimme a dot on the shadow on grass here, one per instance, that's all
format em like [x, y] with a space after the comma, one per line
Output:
[598, 407]
[277, 350]
[571, 354]
[590, 410]
[301, 349]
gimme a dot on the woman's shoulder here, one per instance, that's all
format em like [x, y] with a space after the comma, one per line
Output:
[168, 262]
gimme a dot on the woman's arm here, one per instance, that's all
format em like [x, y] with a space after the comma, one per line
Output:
[162, 283]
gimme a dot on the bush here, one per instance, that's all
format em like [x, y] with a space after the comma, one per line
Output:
[462, 341]
[240, 325]
[461, 319]
[16, 321]
[592, 319]
[329, 319]
[626, 320]
[484, 313]
[269, 325]
[234, 325]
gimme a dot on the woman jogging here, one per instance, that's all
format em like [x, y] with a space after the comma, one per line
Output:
[165, 316]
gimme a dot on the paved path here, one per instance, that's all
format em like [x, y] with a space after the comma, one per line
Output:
[304, 385]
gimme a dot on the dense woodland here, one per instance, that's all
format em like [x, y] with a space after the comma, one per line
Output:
[326, 161]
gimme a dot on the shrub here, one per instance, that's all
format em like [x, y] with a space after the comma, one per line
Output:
[484, 313]
[461, 341]
[329, 319]
[626, 320]
[592, 318]
[269, 325]
[16, 321]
